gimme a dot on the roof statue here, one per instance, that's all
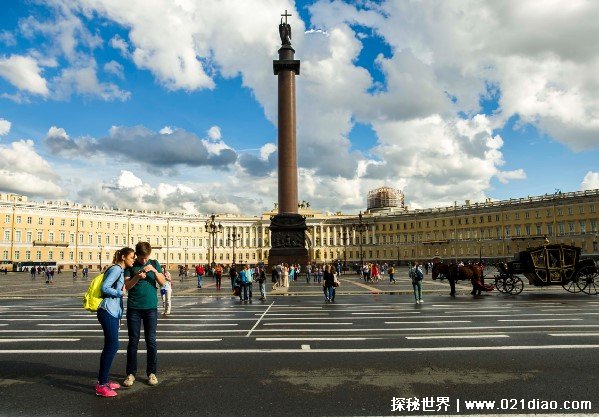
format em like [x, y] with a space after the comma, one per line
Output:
[285, 30]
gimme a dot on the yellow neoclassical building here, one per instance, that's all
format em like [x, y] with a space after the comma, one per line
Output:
[67, 234]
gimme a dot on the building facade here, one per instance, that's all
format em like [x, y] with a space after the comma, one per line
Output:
[67, 234]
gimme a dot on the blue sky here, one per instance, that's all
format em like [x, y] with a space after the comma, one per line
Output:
[391, 93]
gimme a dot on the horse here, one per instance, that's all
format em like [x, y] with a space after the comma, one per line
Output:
[453, 272]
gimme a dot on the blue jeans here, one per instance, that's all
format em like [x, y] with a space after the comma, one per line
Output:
[308, 277]
[391, 279]
[263, 289]
[247, 290]
[200, 280]
[329, 292]
[417, 290]
[110, 327]
[150, 321]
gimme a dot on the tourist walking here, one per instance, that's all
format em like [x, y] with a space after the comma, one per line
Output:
[74, 271]
[166, 292]
[218, 273]
[319, 273]
[262, 283]
[308, 273]
[33, 272]
[416, 275]
[233, 274]
[391, 272]
[329, 283]
[273, 273]
[285, 275]
[141, 281]
[109, 315]
[200, 274]
[246, 284]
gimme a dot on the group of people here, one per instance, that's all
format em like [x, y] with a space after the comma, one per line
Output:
[242, 281]
[282, 274]
[46, 271]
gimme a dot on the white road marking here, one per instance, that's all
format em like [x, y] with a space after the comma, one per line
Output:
[403, 312]
[38, 340]
[481, 336]
[451, 349]
[310, 324]
[297, 339]
[188, 340]
[305, 347]
[573, 334]
[428, 322]
[540, 320]
[297, 314]
[161, 324]
[258, 322]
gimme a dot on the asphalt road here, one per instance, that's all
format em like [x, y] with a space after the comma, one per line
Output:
[294, 355]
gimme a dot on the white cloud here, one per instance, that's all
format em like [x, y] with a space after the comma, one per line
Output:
[24, 171]
[128, 180]
[4, 127]
[7, 38]
[114, 68]
[166, 130]
[590, 181]
[82, 79]
[267, 150]
[119, 43]
[214, 133]
[127, 190]
[505, 176]
[24, 73]
[443, 58]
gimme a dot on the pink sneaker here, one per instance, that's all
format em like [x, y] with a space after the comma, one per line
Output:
[111, 384]
[105, 391]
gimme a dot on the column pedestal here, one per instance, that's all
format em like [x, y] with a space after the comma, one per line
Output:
[288, 231]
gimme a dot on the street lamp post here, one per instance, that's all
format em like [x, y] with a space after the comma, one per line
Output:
[360, 227]
[232, 238]
[213, 229]
[344, 237]
[101, 247]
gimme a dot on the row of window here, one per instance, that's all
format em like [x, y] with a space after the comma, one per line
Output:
[95, 257]
[117, 240]
[488, 233]
[123, 226]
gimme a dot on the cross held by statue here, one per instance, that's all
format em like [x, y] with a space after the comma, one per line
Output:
[285, 16]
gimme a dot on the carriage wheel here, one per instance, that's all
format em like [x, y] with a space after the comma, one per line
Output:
[588, 280]
[572, 285]
[499, 284]
[515, 285]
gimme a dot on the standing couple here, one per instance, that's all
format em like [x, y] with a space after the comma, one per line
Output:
[134, 272]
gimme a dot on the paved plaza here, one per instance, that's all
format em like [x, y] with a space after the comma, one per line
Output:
[294, 355]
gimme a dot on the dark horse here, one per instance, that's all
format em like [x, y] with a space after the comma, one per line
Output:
[453, 272]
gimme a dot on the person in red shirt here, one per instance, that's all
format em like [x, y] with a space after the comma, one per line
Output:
[200, 274]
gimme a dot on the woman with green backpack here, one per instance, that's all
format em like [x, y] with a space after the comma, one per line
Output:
[109, 315]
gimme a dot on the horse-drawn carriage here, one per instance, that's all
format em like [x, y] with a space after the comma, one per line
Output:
[548, 265]
[457, 272]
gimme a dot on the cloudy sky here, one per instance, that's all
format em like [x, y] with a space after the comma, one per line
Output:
[171, 104]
